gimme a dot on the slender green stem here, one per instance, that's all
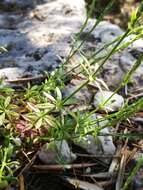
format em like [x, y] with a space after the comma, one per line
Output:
[133, 173]
[89, 14]
[126, 78]
[111, 52]
[93, 56]
[90, 31]
[3, 162]
[104, 61]
[78, 89]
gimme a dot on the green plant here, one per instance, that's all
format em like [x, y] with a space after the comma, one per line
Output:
[133, 173]
[7, 167]
[43, 106]
[7, 110]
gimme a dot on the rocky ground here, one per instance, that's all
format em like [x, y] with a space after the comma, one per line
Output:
[35, 36]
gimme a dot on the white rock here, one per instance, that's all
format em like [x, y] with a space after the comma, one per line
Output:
[101, 122]
[89, 143]
[107, 142]
[55, 152]
[102, 144]
[11, 73]
[105, 30]
[83, 96]
[114, 104]
[60, 20]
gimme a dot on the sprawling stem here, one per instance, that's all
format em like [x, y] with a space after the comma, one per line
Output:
[103, 62]
[90, 31]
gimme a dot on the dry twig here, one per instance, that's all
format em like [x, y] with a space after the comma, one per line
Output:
[61, 167]
[21, 183]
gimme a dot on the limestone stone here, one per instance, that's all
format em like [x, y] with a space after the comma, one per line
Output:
[102, 144]
[113, 104]
[55, 152]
